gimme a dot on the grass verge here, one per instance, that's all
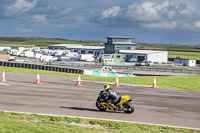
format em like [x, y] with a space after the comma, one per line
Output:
[23, 123]
[190, 82]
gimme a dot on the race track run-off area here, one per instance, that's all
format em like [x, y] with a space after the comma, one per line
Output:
[59, 95]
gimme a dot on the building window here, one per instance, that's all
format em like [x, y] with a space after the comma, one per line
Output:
[82, 51]
[121, 40]
[118, 56]
[75, 50]
[109, 40]
[90, 52]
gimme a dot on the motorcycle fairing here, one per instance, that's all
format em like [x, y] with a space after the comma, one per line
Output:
[123, 99]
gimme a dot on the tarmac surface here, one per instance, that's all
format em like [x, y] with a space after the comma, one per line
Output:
[60, 96]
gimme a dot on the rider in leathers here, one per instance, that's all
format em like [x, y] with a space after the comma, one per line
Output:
[111, 94]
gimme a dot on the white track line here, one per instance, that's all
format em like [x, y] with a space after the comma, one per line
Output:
[3, 84]
[105, 120]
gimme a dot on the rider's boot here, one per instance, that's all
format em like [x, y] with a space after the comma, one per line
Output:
[115, 107]
[121, 106]
[111, 104]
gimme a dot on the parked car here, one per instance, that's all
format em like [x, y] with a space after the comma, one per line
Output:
[16, 59]
[148, 63]
[132, 60]
[83, 57]
[107, 69]
[156, 63]
[89, 59]
[144, 63]
[140, 63]
[108, 62]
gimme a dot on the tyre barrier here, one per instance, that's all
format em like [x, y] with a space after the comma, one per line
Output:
[41, 67]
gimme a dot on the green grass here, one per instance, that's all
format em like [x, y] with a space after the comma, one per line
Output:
[174, 82]
[24, 123]
[184, 53]
[168, 47]
[184, 57]
[39, 41]
[190, 82]
[173, 67]
[17, 46]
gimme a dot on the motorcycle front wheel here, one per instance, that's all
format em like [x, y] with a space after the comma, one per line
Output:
[100, 107]
[128, 108]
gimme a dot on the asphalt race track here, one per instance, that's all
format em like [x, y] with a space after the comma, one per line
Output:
[60, 96]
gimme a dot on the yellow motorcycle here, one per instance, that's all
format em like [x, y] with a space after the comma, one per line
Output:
[123, 103]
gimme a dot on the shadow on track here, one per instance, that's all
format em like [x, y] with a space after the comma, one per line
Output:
[88, 109]
[78, 108]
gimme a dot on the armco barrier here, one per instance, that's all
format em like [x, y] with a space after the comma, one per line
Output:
[138, 68]
[141, 68]
[63, 67]
[41, 67]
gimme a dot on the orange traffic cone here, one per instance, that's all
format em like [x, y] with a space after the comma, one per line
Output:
[38, 78]
[117, 81]
[154, 82]
[79, 80]
[3, 78]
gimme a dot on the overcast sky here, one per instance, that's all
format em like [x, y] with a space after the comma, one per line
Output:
[147, 21]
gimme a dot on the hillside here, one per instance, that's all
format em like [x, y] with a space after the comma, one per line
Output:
[44, 42]
[169, 47]
[39, 41]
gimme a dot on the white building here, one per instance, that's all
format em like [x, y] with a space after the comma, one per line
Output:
[148, 55]
[185, 62]
[95, 50]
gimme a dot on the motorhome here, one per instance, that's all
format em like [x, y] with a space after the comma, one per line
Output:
[108, 62]
[83, 57]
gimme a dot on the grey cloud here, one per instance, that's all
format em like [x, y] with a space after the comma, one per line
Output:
[39, 18]
[150, 11]
[161, 25]
[111, 12]
[165, 14]
[19, 7]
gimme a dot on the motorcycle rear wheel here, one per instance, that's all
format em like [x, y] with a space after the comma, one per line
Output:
[129, 108]
[102, 108]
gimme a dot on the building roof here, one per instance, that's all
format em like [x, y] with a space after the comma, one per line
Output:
[70, 46]
[140, 51]
[121, 37]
